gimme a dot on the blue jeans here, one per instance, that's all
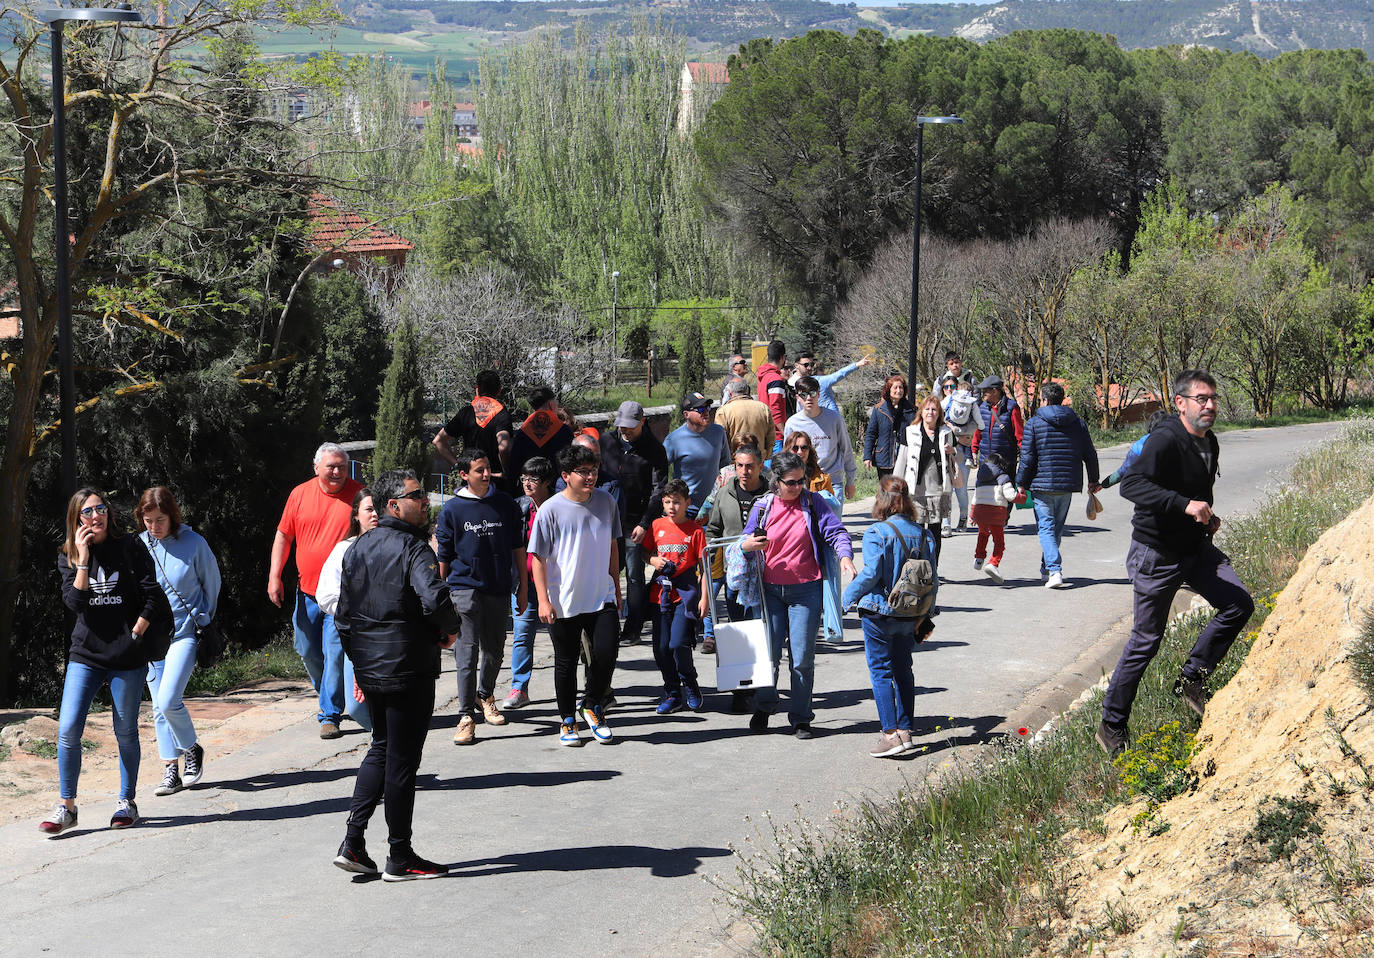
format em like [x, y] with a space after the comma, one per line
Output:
[674, 638]
[1051, 512]
[522, 642]
[167, 681]
[358, 711]
[317, 643]
[888, 645]
[78, 689]
[794, 614]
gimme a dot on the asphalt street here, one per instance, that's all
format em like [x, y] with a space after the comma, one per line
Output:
[602, 850]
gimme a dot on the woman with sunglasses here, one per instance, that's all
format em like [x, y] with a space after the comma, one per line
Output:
[189, 574]
[799, 444]
[364, 518]
[120, 621]
[794, 530]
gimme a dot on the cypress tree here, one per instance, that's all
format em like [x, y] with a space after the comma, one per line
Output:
[400, 416]
[691, 356]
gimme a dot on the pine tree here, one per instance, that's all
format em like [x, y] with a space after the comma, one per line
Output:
[400, 416]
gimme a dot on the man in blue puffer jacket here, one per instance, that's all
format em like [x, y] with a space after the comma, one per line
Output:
[1055, 449]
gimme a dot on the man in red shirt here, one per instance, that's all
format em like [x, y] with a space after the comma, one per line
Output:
[316, 518]
[773, 389]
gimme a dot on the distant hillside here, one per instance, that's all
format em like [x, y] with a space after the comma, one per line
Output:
[1265, 28]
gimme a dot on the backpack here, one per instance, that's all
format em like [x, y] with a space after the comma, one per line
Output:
[913, 590]
[960, 413]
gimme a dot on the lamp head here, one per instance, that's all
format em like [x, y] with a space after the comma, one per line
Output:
[123, 13]
[922, 120]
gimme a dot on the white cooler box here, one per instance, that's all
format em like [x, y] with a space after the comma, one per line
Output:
[742, 660]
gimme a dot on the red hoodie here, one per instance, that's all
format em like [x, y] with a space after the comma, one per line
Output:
[773, 389]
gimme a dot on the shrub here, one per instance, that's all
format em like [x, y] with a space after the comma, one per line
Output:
[1157, 766]
[1283, 824]
[1362, 657]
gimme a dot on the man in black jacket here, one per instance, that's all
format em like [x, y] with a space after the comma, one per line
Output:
[1171, 544]
[634, 468]
[394, 616]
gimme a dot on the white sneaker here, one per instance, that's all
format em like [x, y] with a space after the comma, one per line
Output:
[977, 564]
[1055, 581]
[994, 573]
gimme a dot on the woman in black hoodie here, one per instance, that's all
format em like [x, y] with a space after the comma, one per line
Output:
[120, 620]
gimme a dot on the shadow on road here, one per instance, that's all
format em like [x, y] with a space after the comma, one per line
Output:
[661, 862]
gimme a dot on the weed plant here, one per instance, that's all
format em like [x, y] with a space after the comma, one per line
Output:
[971, 864]
[1362, 657]
[276, 660]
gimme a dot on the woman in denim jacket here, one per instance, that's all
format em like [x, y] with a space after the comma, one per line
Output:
[794, 529]
[890, 640]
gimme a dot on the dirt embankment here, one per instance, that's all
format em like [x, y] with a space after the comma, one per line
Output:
[1291, 736]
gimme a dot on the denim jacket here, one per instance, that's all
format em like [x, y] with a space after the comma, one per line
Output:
[868, 591]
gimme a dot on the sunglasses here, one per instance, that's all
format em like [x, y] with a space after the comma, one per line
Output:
[99, 510]
[809, 395]
[791, 483]
[801, 447]
[416, 494]
[702, 409]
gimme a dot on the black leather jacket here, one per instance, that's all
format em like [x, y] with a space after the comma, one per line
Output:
[394, 608]
[639, 471]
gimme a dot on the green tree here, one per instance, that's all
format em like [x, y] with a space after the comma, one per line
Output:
[400, 415]
[354, 344]
[691, 354]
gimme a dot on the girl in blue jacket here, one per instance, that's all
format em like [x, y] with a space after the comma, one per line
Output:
[890, 640]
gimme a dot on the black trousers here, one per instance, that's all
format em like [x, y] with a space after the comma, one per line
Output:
[400, 722]
[601, 631]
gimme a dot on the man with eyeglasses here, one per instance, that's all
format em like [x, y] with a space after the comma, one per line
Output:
[697, 450]
[634, 463]
[577, 579]
[1171, 545]
[315, 519]
[394, 615]
[809, 365]
[739, 369]
[829, 436]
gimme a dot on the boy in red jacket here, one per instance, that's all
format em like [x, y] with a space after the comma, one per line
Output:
[674, 547]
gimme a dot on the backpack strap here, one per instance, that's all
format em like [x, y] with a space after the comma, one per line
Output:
[901, 539]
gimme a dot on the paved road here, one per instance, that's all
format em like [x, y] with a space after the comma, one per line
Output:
[603, 850]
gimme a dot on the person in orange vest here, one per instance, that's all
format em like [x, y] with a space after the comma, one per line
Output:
[543, 433]
[484, 424]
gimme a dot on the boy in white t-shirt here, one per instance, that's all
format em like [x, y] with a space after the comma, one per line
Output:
[576, 565]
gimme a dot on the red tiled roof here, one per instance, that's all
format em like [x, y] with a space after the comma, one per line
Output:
[335, 228]
[465, 107]
[708, 72]
[418, 108]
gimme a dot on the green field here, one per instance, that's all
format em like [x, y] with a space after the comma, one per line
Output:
[417, 49]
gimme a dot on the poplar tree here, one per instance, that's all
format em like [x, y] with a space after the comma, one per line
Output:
[400, 415]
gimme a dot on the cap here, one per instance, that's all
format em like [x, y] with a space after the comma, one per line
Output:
[629, 414]
[992, 382]
[694, 401]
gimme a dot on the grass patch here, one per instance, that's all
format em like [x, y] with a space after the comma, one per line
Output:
[1362, 657]
[1282, 823]
[276, 660]
[42, 748]
[970, 864]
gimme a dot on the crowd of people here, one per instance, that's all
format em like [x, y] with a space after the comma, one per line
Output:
[593, 535]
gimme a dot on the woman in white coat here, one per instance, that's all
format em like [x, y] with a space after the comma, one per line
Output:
[927, 462]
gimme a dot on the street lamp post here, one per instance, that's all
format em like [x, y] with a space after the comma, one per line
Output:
[911, 357]
[615, 342]
[57, 21]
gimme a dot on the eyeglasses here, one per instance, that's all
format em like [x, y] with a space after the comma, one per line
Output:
[801, 447]
[807, 395]
[791, 483]
[416, 494]
[529, 478]
[585, 473]
[1205, 399]
[98, 510]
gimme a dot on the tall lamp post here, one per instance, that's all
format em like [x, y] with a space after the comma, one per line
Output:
[911, 358]
[57, 22]
[615, 341]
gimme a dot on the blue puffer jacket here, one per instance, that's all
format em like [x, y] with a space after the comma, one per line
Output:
[1055, 448]
[882, 558]
[886, 431]
[1002, 423]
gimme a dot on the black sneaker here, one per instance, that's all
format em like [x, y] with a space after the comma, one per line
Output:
[1112, 740]
[759, 722]
[354, 858]
[413, 869]
[171, 781]
[1193, 692]
[803, 731]
[194, 757]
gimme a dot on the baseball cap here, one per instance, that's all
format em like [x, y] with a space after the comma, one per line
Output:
[694, 401]
[629, 413]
